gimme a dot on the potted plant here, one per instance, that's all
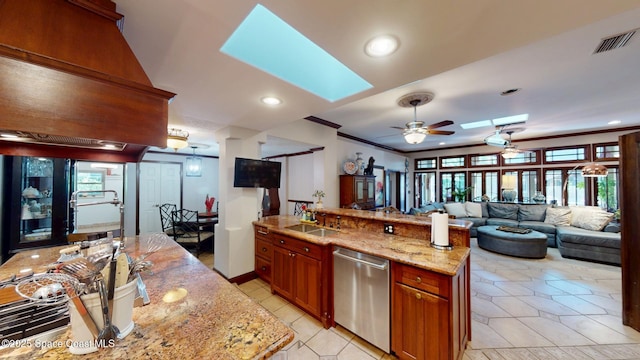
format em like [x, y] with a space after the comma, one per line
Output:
[318, 194]
[461, 195]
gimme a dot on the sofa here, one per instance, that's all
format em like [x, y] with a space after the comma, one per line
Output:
[580, 232]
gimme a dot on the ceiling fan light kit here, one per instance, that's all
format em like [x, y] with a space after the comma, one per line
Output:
[414, 131]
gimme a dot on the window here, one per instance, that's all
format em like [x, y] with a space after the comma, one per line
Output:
[483, 160]
[529, 181]
[450, 182]
[91, 181]
[453, 162]
[425, 164]
[553, 186]
[566, 154]
[484, 183]
[610, 151]
[425, 185]
[528, 158]
[607, 190]
[566, 186]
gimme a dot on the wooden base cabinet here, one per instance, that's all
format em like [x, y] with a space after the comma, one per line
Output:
[297, 273]
[264, 253]
[429, 313]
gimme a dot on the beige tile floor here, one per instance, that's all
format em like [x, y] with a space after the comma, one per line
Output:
[552, 308]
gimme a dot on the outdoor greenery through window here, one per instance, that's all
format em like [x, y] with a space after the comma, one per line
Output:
[608, 190]
[91, 181]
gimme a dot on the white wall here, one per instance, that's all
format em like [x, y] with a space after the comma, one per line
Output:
[195, 189]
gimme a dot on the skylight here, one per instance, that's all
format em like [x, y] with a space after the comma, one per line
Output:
[266, 42]
[496, 122]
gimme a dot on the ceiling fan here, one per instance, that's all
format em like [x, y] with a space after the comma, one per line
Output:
[415, 131]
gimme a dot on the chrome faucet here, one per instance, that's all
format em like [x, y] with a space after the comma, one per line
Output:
[324, 219]
[73, 203]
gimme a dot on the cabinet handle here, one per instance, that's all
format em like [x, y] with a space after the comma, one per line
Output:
[418, 279]
[264, 268]
[292, 254]
[418, 296]
[264, 249]
[262, 232]
[281, 241]
[306, 249]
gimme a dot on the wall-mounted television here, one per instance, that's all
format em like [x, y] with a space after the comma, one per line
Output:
[256, 173]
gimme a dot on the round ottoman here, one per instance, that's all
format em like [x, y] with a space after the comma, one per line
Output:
[531, 245]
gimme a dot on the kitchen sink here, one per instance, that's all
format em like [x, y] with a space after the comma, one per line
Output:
[311, 229]
[322, 232]
[303, 228]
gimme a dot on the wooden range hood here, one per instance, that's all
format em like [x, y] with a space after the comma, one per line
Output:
[69, 78]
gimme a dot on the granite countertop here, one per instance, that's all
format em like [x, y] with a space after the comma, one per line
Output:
[410, 251]
[215, 320]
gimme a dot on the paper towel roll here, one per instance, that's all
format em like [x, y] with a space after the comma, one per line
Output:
[440, 229]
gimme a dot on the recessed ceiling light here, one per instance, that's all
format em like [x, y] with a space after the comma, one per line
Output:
[9, 136]
[109, 146]
[510, 92]
[381, 46]
[442, 143]
[614, 122]
[270, 100]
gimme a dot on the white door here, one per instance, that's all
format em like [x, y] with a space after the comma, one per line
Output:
[160, 183]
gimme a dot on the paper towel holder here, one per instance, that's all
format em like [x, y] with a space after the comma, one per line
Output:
[438, 246]
[442, 247]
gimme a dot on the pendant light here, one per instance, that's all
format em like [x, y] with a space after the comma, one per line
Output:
[194, 164]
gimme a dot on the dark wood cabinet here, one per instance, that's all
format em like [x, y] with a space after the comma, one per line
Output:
[297, 273]
[264, 253]
[35, 206]
[429, 313]
[358, 189]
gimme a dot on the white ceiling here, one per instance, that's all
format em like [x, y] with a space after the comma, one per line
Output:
[465, 52]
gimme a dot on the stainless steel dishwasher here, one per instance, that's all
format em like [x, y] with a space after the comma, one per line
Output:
[361, 296]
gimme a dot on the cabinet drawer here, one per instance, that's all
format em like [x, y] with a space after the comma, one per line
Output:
[264, 249]
[263, 269]
[428, 281]
[262, 232]
[302, 247]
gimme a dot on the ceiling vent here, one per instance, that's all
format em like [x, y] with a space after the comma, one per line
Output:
[614, 42]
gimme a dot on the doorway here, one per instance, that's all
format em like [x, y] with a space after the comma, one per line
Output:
[158, 183]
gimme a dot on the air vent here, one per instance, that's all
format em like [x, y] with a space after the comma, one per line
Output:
[35, 138]
[614, 42]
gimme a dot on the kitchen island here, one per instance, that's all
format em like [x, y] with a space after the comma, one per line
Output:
[430, 289]
[214, 320]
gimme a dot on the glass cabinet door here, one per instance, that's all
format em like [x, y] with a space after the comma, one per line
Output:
[37, 194]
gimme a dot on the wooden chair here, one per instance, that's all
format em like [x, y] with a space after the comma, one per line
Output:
[188, 229]
[166, 218]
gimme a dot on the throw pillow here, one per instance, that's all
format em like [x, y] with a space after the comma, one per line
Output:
[560, 216]
[456, 209]
[590, 217]
[503, 211]
[473, 209]
[531, 212]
